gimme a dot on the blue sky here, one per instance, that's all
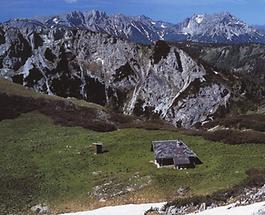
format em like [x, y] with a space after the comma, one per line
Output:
[251, 11]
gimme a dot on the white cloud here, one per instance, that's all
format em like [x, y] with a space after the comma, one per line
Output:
[70, 1]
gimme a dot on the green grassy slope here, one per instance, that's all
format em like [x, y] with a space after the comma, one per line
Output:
[13, 89]
[43, 162]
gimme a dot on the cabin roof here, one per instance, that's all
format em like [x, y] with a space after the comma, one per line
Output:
[172, 149]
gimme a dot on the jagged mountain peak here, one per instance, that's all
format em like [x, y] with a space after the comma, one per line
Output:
[77, 19]
[218, 16]
[220, 27]
[98, 13]
[215, 19]
[142, 18]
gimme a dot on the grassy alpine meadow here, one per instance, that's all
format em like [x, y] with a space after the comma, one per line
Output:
[43, 162]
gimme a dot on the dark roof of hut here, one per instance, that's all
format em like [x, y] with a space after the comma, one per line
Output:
[172, 149]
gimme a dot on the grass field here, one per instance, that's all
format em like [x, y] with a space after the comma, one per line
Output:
[43, 162]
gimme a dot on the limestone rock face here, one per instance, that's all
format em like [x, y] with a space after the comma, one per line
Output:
[244, 64]
[159, 80]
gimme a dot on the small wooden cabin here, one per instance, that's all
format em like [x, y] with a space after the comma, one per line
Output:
[174, 153]
[98, 148]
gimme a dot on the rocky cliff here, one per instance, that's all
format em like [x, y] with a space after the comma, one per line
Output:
[244, 63]
[160, 80]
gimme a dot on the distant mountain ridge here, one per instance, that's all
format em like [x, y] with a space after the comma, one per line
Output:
[205, 28]
[260, 28]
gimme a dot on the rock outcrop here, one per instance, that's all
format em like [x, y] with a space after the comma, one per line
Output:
[154, 81]
[246, 196]
[243, 63]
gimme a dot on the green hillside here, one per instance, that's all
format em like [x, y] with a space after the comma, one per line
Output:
[47, 156]
[43, 162]
[14, 89]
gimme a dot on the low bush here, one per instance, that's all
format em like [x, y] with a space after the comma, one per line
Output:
[62, 112]
[230, 136]
[235, 136]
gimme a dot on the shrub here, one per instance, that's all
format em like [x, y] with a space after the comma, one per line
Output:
[235, 136]
[230, 136]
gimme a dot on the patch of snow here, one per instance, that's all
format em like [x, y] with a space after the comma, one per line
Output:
[199, 19]
[131, 209]
[161, 34]
[56, 20]
[153, 23]
[253, 209]
[146, 32]
[140, 209]
[136, 27]
[163, 26]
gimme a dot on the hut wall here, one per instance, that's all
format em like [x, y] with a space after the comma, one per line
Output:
[98, 148]
[185, 166]
[165, 161]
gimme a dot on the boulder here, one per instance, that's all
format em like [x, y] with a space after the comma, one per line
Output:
[40, 209]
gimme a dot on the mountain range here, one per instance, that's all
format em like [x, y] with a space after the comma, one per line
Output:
[215, 28]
